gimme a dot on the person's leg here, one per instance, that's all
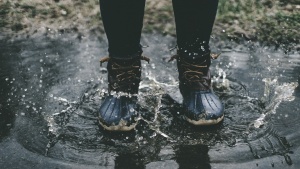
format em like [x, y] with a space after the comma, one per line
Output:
[123, 22]
[194, 22]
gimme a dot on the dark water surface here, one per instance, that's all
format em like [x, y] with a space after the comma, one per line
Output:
[51, 88]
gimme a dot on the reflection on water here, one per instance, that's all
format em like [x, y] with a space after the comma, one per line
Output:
[192, 156]
[59, 86]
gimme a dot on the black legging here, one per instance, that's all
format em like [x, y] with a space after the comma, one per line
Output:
[123, 22]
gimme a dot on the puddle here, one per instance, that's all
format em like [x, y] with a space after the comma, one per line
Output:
[54, 88]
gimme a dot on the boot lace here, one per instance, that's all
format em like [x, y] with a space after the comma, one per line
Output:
[194, 72]
[125, 76]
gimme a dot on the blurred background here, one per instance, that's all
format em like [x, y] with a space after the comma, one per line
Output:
[274, 22]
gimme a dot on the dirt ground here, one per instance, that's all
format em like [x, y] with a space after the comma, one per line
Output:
[273, 22]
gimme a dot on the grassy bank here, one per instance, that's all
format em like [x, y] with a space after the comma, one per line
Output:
[273, 22]
[270, 21]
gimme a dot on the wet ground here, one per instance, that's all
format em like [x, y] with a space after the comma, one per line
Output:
[52, 86]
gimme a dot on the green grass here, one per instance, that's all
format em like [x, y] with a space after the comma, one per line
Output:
[280, 29]
[17, 27]
[269, 21]
[156, 19]
[265, 20]
[63, 7]
[4, 10]
[30, 10]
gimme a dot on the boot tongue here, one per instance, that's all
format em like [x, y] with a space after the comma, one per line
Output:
[197, 59]
[124, 61]
[194, 58]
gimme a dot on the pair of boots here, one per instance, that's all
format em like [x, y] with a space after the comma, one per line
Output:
[120, 112]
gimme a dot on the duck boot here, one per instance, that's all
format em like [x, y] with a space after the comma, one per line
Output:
[119, 110]
[201, 105]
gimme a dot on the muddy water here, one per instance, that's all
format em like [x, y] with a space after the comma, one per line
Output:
[51, 89]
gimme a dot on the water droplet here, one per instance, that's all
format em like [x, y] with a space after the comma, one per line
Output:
[202, 48]
[153, 66]
[140, 138]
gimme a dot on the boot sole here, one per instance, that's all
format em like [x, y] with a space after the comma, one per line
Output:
[202, 122]
[120, 127]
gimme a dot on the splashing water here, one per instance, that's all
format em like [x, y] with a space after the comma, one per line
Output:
[274, 94]
[151, 90]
